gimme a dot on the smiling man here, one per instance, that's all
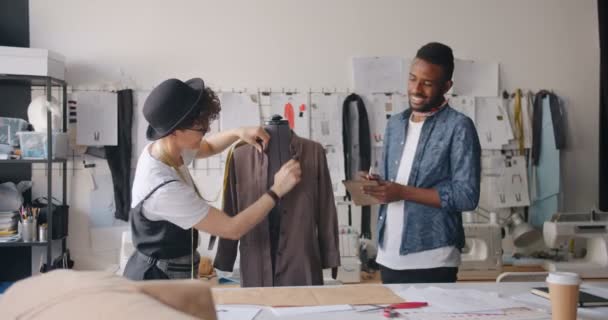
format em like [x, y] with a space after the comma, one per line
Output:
[431, 173]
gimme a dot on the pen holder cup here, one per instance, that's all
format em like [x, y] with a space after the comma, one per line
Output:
[28, 230]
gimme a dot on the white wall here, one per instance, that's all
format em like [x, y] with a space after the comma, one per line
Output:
[549, 44]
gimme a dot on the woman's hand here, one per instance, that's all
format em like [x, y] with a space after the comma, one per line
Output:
[255, 136]
[287, 177]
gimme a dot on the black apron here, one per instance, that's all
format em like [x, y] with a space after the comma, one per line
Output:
[163, 250]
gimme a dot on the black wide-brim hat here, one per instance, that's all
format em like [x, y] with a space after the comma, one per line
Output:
[169, 104]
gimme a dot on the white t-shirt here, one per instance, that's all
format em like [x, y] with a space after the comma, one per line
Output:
[176, 202]
[388, 255]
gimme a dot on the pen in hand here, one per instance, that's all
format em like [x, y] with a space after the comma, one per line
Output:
[371, 174]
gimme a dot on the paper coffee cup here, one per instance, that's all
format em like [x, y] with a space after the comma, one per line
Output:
[563, 292]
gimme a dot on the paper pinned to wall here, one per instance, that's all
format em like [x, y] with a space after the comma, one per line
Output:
[326, 117]
[475, 78]
[504, 182]
[95, 108]
[101, 206]
[326, 128]
[139, 125]
[464, 104]
[492, 122]
[293, 108]
[238, 110]
[380, 108]
[379, 74]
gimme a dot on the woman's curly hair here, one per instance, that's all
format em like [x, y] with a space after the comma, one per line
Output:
[204, 113]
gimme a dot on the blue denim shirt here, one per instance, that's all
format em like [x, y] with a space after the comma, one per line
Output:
[448, 159]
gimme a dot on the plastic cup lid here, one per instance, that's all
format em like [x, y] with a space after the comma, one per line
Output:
[565, 278]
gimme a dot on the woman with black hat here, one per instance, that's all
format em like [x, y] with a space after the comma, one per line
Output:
[167, 209]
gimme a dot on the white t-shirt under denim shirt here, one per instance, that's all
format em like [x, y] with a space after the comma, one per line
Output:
[388, 255]
[176, 202]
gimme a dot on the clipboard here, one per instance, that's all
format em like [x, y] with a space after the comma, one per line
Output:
[355, 189]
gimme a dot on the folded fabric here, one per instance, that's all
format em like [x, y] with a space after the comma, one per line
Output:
[68, 294]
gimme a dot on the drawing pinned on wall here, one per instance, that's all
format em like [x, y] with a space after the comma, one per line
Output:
[238, 110]
[379, 74]
[293, 107]
[97, 118]
[492, 122]
[139, 125]
[326, 128]
[475, 78]
[380, 108]
[463, 104]
[504, 182]
[101, 203]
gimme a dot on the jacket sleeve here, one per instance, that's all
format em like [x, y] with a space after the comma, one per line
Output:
[227, 249]
[461, 192]
[327, 216]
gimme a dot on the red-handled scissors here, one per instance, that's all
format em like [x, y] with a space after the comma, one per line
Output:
[389, 312]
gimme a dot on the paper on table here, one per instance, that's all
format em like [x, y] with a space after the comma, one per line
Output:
[238, 110]
[507, 314]
[307, 296]
[293, 311]
[475, 78]
[355, 188]
[457, 300]
[236, 313]
[379, 74]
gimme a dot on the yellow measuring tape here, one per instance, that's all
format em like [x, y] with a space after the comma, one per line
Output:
[519, 126]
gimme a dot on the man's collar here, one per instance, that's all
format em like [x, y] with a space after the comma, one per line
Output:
[405, 115]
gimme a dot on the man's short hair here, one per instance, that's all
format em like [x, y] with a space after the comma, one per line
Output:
[439, 54]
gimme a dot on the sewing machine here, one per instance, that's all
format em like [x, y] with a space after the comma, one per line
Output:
[482, 253]
[565, 228]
